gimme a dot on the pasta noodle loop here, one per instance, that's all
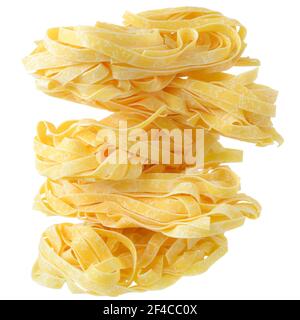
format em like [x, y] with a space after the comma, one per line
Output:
[152, 208]
[78, 148]
[177, 205]
[100, 261]
[171, 58]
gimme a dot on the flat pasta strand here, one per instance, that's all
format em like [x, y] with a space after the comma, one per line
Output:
[100, 261]
[86, 148]
[145, 224]
[167, 58]
[177, 205]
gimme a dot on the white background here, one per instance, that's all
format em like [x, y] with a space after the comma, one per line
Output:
[264, 256]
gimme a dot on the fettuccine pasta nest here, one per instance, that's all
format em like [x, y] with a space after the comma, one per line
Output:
[145, 223]
[177, 205]
[172, 58]
[100, 261]
[84, 148]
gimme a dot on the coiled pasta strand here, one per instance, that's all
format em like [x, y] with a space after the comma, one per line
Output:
[87, 148]
[145, 224]
[100, 261]
[178, 205]
[177, 63]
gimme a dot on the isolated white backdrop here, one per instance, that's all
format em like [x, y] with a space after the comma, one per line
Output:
[264, 257]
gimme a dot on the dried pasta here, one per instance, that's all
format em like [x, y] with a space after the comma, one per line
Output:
[177, 205]
[145, 224]
[166, 58]
[101, 261]
[77, 149]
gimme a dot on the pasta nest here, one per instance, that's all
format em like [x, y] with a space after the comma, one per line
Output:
[101, 261]
[177, 205]
[145, 223]
[173, 59]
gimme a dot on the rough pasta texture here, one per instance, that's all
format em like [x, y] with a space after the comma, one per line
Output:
[100, 261]
[84, 149]
[177, 205]
[170, 58]
[145, 225]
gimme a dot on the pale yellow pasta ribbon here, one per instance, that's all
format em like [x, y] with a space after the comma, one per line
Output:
[177, 205]
[171, 58]
[77, 148]
[101, 261]
[145, 224]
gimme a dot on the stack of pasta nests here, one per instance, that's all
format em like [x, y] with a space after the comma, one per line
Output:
[145, 225]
